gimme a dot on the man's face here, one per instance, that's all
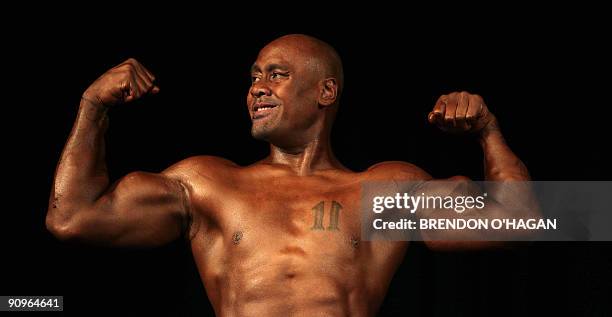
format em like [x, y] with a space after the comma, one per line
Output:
[282, 100]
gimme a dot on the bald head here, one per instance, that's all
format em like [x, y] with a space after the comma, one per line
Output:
[321, 57]
[295, 90]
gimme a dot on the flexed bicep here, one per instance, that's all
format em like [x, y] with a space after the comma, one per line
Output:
[141, 209]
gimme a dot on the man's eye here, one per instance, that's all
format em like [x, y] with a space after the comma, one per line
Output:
[254, 79]
[276, 75]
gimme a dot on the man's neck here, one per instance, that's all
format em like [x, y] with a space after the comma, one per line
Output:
[306, 159]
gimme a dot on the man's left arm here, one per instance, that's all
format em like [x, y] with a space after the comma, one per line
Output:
[509, 195]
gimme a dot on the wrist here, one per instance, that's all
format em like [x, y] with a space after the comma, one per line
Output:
[491, 129]
[92, 110]
[92, 99]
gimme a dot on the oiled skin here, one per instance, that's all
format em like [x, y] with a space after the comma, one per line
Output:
[280, 265]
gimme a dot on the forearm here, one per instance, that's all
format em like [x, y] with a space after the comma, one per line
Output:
[81, 175]
[500, 163]
[507, 178]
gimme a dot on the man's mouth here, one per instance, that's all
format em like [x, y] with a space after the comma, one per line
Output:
[261, 110]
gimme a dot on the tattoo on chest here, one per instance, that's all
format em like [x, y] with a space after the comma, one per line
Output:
[319, 214]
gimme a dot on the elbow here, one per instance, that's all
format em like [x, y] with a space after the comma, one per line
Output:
[62, 228]
[514, 172]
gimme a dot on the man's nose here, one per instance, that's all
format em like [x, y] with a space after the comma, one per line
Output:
[258, 90]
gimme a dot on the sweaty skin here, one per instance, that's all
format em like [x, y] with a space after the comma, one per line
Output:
[280, 237]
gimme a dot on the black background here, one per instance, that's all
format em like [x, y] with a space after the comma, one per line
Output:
[545, 75]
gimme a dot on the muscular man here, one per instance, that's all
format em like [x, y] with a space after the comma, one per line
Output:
[260, 248]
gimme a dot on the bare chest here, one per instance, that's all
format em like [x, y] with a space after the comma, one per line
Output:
[283, 222]
[317, 217]
[280, 238]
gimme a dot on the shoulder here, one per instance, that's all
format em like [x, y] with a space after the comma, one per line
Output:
[202, 165]
[204, 161]
[397, 170]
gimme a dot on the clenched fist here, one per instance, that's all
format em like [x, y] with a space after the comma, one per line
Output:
[461, 112]
[123, 83]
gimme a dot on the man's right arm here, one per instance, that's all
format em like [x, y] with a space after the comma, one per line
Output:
[141, 209]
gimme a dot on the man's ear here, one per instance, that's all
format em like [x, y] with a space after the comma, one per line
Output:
[328, 92]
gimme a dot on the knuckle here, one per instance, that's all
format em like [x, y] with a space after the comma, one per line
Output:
[124, 75]
[126, 68]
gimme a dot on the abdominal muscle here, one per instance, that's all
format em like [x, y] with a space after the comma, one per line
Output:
[292, 284]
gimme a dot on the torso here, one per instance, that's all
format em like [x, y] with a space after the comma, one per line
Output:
[268, 242]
